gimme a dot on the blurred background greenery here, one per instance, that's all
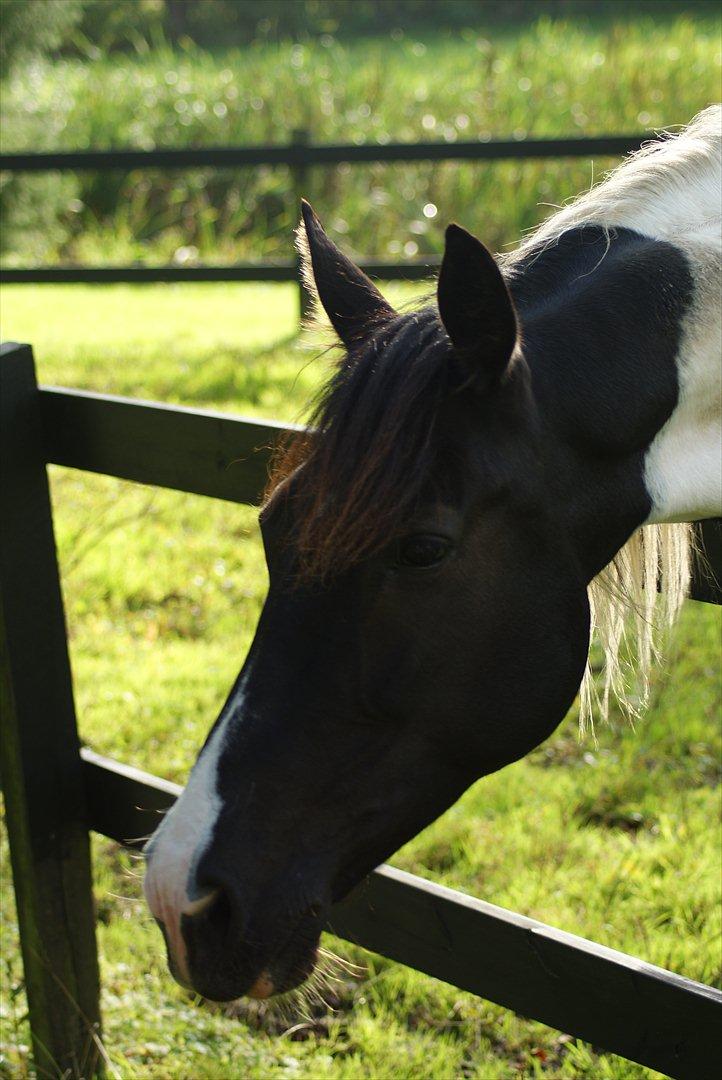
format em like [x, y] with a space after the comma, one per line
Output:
[168, 73]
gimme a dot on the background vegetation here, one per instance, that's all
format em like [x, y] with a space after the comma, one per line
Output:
[476, 82]
[618, 841]
[85, 27]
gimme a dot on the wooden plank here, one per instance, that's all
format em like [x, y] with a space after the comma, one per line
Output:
[194, 450]
[139, 275]
[39, 752]
[411, 270]
[323, 154]
[605, 997]
[209, 453]
[125, 803]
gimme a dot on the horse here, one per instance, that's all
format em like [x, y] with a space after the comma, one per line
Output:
[484, 478]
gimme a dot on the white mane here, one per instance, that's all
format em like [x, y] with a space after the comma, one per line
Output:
[668, 190]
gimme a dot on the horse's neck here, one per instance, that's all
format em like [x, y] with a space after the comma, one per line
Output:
[684, 463]
[622, 336]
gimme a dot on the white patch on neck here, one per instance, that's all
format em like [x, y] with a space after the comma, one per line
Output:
[670, 190]
[181, 839]
[683, 466]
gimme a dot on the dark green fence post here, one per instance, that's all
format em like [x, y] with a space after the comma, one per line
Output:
[299, 175]
[39, 750]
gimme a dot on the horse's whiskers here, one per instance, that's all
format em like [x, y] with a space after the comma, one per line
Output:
[347, 965]
[127, 872]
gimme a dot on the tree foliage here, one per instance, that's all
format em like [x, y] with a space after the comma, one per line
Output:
[30, 27]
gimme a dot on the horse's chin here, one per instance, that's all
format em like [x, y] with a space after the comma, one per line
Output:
[228, 977]
[280, 978]
[269, 983]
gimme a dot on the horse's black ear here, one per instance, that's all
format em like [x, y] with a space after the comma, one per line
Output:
[351, 300]
[475, 306]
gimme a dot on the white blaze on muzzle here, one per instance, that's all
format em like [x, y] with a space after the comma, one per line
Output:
[177, 845]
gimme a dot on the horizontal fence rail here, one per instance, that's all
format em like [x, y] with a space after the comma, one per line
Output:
[612, 1000]
[208, 453]
[321, 154]
[297, 156]
[413, 270]
[193, 450]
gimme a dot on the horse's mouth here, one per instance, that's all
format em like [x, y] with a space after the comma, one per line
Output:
[224, 970]
[279, 978]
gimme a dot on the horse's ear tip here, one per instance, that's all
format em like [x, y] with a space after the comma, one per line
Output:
[459, 238]
[308, 214]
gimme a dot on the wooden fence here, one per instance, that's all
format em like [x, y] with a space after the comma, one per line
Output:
[55, 791]
[298, 156]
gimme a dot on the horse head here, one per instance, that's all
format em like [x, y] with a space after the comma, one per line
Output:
[426, 624]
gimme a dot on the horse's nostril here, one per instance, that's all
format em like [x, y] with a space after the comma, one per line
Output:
[214, 912]
[195, 907]
[208, 932]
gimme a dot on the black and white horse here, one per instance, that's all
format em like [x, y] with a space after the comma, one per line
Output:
[433, 548]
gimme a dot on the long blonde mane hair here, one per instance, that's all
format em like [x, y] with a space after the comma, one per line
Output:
[669, 188]
[634, 602]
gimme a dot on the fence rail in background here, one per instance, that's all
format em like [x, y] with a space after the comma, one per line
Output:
[299, 156]
[415, 270]
[619, 1003]
[302, 152]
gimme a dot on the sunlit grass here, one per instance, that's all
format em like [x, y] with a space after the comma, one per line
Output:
[617, 841]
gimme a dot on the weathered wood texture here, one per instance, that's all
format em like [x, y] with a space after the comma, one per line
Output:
[208, 453]
[39, 755]
[193, 450]
[612, 1000]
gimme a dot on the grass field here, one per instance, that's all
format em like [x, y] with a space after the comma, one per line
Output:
[618, 841]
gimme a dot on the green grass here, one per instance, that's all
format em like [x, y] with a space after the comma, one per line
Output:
[619, 841]
[548, 78]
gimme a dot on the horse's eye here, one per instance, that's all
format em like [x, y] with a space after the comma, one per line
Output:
[423, 550]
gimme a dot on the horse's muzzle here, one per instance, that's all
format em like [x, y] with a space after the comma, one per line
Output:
[225, 960]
